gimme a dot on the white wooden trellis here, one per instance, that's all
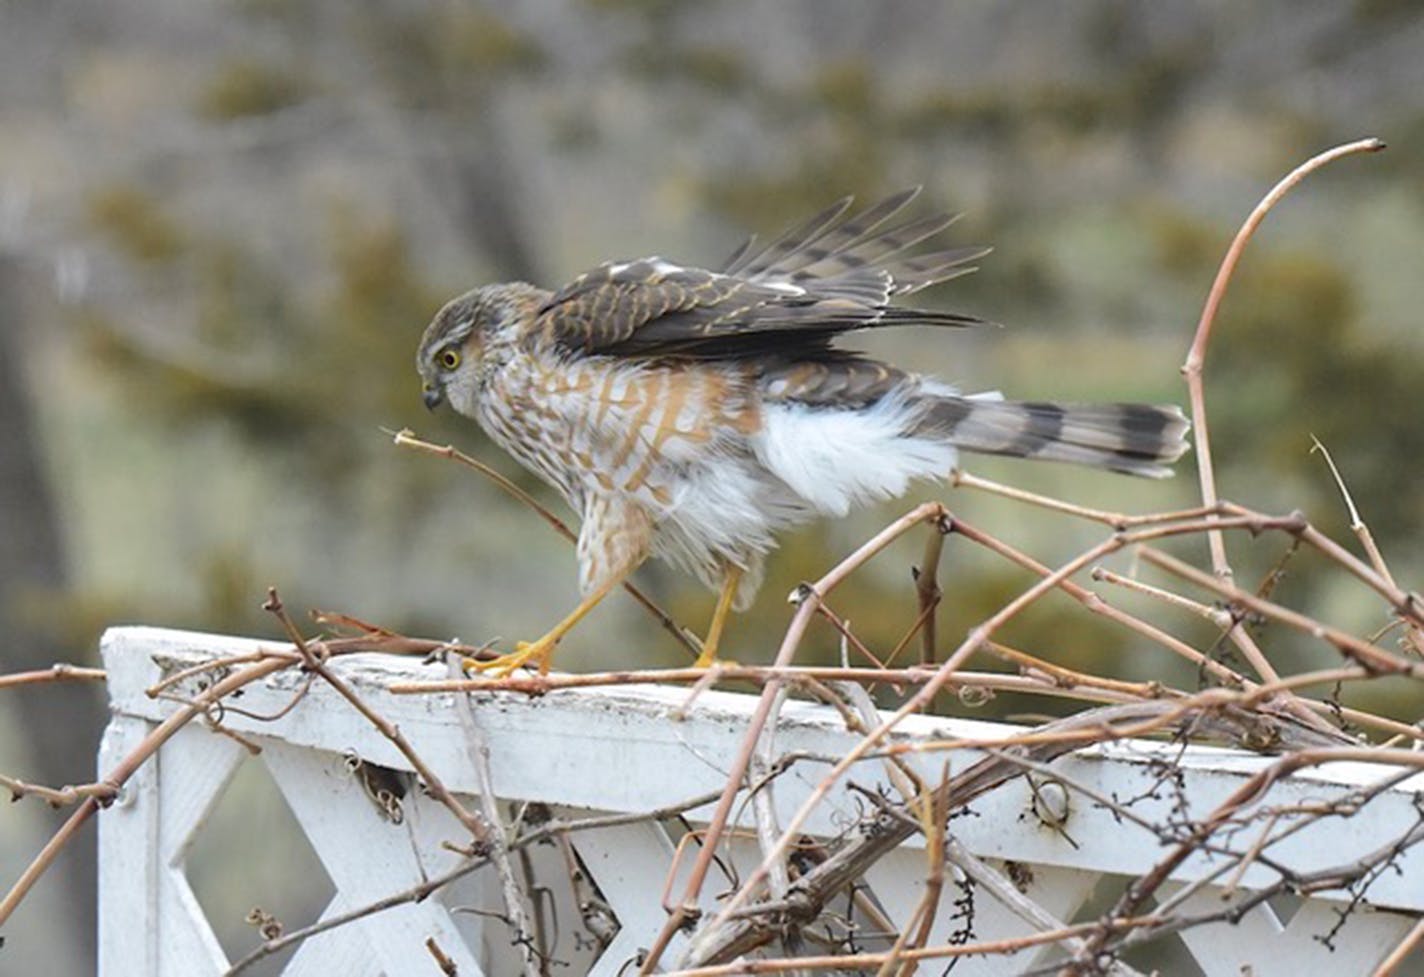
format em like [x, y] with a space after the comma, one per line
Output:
[624, 750]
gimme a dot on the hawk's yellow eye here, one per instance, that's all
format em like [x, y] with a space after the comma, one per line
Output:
[449, 358]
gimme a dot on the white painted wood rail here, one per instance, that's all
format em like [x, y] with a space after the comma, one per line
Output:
[622, 750]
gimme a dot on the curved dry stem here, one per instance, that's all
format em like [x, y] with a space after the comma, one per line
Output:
[55, 673]
[1117, 520]
[1196, 354]
[57, 796]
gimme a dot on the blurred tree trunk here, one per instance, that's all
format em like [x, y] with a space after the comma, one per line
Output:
[61, 723]
[488, 199]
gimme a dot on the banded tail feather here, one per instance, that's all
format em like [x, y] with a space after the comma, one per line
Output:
[1135, 439]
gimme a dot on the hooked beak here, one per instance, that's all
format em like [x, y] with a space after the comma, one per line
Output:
[432, 395]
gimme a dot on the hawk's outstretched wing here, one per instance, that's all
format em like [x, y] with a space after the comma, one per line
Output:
[825, 276]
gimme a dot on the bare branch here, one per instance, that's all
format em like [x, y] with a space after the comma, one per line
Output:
[1196, 354]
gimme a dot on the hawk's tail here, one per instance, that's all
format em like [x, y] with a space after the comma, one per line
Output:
[1138, 439]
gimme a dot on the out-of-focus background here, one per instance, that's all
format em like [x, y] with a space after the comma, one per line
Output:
[224, 224]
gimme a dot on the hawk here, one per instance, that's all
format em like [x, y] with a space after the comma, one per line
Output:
[691, 414]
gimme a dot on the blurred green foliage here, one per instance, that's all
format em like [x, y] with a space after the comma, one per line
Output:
[331, 369]
[244, 87]
[714, 69]
[131, 221]
[444, 55]
[1296, 358]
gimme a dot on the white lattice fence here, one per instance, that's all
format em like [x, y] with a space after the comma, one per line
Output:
[623, 750]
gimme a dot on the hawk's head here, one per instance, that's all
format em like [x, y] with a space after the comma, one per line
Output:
[455, 344]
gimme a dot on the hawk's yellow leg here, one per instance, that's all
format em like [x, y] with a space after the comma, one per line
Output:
[542, 651]
[719, 618]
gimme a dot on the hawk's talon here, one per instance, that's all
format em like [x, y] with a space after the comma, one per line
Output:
[706, 661]
[709, 645]
[708, 657]
[541, 651]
